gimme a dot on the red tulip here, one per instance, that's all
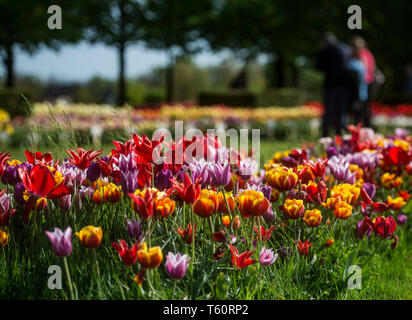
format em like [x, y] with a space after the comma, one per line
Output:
[4, 157]
[303, 248]
[219, 236]
[144, 147]
[188, 191]
[82, 158]
[263, 234]
[186, 233]
[40, 157]
[318, 168]
[242, 260]
[41, 182]
[129, 256]
[384, 227]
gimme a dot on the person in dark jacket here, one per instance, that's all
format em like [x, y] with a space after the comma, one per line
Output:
[332, 60]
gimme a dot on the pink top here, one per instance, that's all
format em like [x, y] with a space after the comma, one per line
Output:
[367, 58]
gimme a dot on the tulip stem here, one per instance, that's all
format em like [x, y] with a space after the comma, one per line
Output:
[148, 233]
[98, 271]
[66, 266]
[193, 235]
[174, 289]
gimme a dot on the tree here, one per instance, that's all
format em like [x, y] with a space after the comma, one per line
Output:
[174, 26]
[116, 23]
[23, 24]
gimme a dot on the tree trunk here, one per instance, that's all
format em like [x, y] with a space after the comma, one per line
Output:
[280, 71]
[295, 75]
[170, 80]
[121, 95]
[9, 64]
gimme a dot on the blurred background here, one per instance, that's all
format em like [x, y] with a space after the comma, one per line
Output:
[148, 53]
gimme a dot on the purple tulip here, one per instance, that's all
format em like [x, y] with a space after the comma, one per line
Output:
[18, 193]
[361, 233]
[94, 171]
[402, 219]
[62, 242]
[66, 202]
[10, 175]
[162, 180]
[220, 174]
[339, 168]
[134, 229]
[284, 252]
[176, 265]
[267, 257]
[269, 215]
[127, 163]
[246, 168]
[128, 180]
[331, 151]
[370, 189]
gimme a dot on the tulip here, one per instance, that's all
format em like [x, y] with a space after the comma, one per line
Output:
[42, 183]
[303, 248]
[162, 180]
[82, 158]
[94, 171]
[61, 241]
[269, 215]
[252, 203]
[246, 168]
[4, 238]
[396, 203]
[129, 256]
[220, 174]
[134, 229]
[262, 233]
[267, 257]
[5, 212]
[219, 236]
[293, 208]
[149, 258]
[402, 219]
[384, 227]
[163, 206]
[188, 191]
[207, 203]
[240, 261]
[390, 180]
[281, 178]
[343, 210]
[312, 218]
[231, 202]
[176, 265]
[129, 181]
[90, 236]
[186, 233]
[329, 242]
[339, 168]
[347, 193]
[363, 227]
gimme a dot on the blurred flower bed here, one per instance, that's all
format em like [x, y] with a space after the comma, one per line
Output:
[99, 123]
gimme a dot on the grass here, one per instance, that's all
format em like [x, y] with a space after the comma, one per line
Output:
[24, 262]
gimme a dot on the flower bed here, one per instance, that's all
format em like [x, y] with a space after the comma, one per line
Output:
[186, 228]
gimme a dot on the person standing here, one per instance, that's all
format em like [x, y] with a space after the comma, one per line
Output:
[369, 77]
[359, 91]
[332, 60]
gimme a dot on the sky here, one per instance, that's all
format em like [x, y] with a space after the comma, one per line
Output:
[82, 61]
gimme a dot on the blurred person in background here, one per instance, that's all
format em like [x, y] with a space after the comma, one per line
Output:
[368, 60]
[331, 60]
[357, 85]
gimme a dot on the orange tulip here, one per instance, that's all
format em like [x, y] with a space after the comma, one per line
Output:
[329, 242]
[207, 203]
[149, 258]
[281, 178]
[312, 218]
[90, 236]
[396, 203]
[230, 201]
[293, 208]
[4, 238]
[252, 203]
[343, 210]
